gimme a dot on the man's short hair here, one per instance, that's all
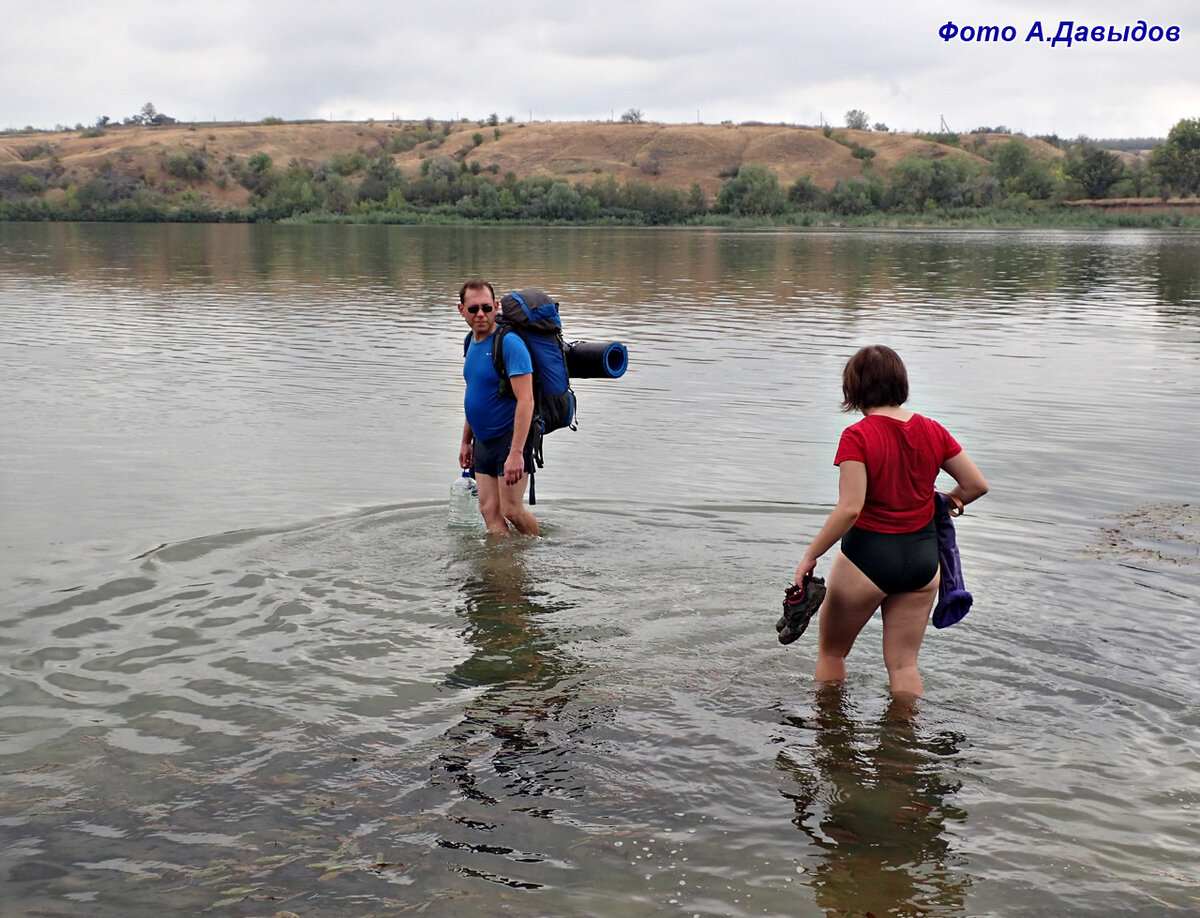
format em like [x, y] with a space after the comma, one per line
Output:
[875, 377]
[475, 283]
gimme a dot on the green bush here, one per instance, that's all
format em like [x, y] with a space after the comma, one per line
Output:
[189, 166]
[348, 163]
[855, 197]
[403, 141]
[805, 194]
[1011, 159]
[754, 191]
[31, 184]
[287, 194]
[1021, 174]
[656, 205]
[605, 190]
[561, 202]
[381, 178]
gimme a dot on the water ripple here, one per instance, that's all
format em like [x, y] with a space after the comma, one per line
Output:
[311, 694]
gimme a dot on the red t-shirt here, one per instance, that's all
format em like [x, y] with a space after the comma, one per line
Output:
[902, 459]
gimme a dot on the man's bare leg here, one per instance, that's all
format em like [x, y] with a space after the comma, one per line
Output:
[489, 503]
[513, 509]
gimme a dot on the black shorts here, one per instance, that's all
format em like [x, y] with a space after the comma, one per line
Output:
[895, 562]
[490, 455]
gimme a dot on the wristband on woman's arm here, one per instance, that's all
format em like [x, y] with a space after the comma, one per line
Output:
[958, 508]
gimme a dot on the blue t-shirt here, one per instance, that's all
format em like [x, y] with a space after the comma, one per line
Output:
[489, 413]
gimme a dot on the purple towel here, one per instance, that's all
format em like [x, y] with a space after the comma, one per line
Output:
[953, 599]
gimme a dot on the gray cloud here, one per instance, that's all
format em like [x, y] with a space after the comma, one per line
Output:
[772, 61]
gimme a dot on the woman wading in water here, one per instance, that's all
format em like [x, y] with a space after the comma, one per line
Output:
[884, 519]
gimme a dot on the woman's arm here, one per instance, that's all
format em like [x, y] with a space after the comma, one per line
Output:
[852, 493]
[971, 483]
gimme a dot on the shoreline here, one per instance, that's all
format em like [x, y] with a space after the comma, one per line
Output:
[1068, 216]
[565, 173]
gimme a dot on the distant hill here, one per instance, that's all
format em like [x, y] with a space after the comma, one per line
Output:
[205, 159]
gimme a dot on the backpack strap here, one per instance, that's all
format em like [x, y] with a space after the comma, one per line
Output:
[498, 360]
[535, 436]
[535, 433]
[497, 357]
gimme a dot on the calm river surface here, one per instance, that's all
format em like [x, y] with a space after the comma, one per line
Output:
[246, 667]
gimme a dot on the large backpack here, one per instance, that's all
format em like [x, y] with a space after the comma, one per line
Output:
[533, 317]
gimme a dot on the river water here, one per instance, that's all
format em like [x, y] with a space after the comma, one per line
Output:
[246, 667]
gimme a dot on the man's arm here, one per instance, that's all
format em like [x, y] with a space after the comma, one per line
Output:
[466, 451]
[522, 387]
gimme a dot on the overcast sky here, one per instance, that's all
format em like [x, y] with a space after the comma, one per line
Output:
[70, 61]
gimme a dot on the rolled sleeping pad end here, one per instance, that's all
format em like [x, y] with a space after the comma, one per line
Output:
[593, 360]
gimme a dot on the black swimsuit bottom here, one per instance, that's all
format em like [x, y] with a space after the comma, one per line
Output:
[898, 562]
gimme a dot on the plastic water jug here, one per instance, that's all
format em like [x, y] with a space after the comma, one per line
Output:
[464, 502]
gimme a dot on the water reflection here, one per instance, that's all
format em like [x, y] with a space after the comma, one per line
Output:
[873, 802]
[624, 272]
[1177, 279]
[510, 756]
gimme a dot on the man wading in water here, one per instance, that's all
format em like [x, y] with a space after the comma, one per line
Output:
[496, 431]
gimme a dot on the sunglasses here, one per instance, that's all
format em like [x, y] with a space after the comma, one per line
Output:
[474, 309]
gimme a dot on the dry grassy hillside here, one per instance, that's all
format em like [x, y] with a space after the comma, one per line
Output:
[678, 155]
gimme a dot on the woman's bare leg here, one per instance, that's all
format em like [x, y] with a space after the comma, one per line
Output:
[850, 601]
[905, 617]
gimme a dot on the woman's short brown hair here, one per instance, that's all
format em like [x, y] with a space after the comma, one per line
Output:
[874, 378]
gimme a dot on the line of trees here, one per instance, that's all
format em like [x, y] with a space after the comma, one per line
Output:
[1012, 178]
[451, 188]
[360, 186]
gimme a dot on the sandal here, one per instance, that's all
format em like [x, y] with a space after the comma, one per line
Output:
[800, 604]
